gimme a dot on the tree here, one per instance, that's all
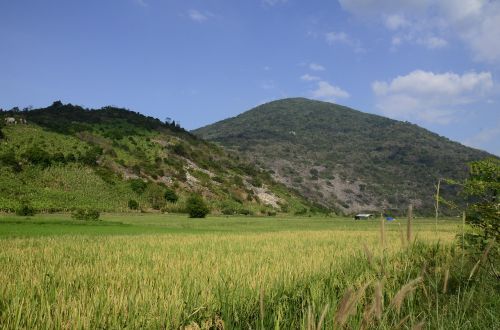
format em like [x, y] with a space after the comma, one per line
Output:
[482, 190]
[196, 207]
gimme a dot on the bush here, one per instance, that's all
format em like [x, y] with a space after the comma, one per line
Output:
[133, 205]
[85, 214]
[25, 210]
[138, 186]
[37, 156]
[90, 157]
[155, 196]
[171, 196]
[196, 207]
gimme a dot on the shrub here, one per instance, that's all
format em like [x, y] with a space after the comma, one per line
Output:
[133, 205]
[8, 158]
[85, 214]
[196, 207]
[171, 196]
[155, 196]
[138, 186]
[90, 157]
[179, 149]
[25, 210]
[37, 156]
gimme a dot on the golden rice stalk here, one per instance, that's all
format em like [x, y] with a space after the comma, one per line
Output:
[402, 322]
[310, 323]
[482, 259]
[369, 255]
[261, 304]
[446, 278]
[382, 230]
[322, 317]
[409, 229]
[406, 289]
[418, 326]
[379, 303]
[401, 235]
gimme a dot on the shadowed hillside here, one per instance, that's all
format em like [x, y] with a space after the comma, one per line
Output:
[342, 158]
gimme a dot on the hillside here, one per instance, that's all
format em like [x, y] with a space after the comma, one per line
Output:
[64, 157]
[342, 158]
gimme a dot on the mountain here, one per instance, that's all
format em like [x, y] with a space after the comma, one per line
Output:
[64, 157]
[342, 158]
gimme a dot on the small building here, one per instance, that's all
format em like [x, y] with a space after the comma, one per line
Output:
[363, 216]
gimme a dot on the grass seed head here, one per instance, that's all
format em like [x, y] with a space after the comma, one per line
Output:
[406, 289]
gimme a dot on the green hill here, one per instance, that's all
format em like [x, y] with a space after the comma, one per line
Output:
[64, 157]
[342, 158]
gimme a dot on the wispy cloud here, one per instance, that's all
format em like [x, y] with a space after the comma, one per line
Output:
[308, 77]
[267, 84]
[273, 2]
[328, 92]
[141, 3]
[343, 38]
[430, 23]
[199, 16]
[431, 97]
[485, 137]
[316, 67]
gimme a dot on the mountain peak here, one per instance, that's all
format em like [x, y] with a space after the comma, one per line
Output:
[343, 158]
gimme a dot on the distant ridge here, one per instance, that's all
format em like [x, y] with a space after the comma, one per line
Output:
[343, 158]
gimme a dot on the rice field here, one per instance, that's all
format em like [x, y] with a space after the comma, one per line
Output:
[170, 272]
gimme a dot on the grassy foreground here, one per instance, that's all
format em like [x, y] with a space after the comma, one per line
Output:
[157, 271]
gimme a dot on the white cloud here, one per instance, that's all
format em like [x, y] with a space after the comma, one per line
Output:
[274, 2]
[333, 37]
[475, 22]
[326, 91]
[316, 67]
[308, 77]
[198, 16]
[370, 7]
[432, 42]
[141, 3]
[342, 37]
[484, 137]
[395, 22]
[267, 84]
[430, 97]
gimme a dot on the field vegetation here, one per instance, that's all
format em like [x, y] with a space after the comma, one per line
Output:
[65, 157]
[156, 271]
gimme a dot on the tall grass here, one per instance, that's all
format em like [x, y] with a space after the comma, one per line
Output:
[281, 279]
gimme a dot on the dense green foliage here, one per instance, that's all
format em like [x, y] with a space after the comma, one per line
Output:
[345, 159]
[196, 207]
[85, 214]
[25, 210]
[68, 157]
[482, 190]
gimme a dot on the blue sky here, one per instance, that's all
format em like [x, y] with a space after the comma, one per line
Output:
[433, 63]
